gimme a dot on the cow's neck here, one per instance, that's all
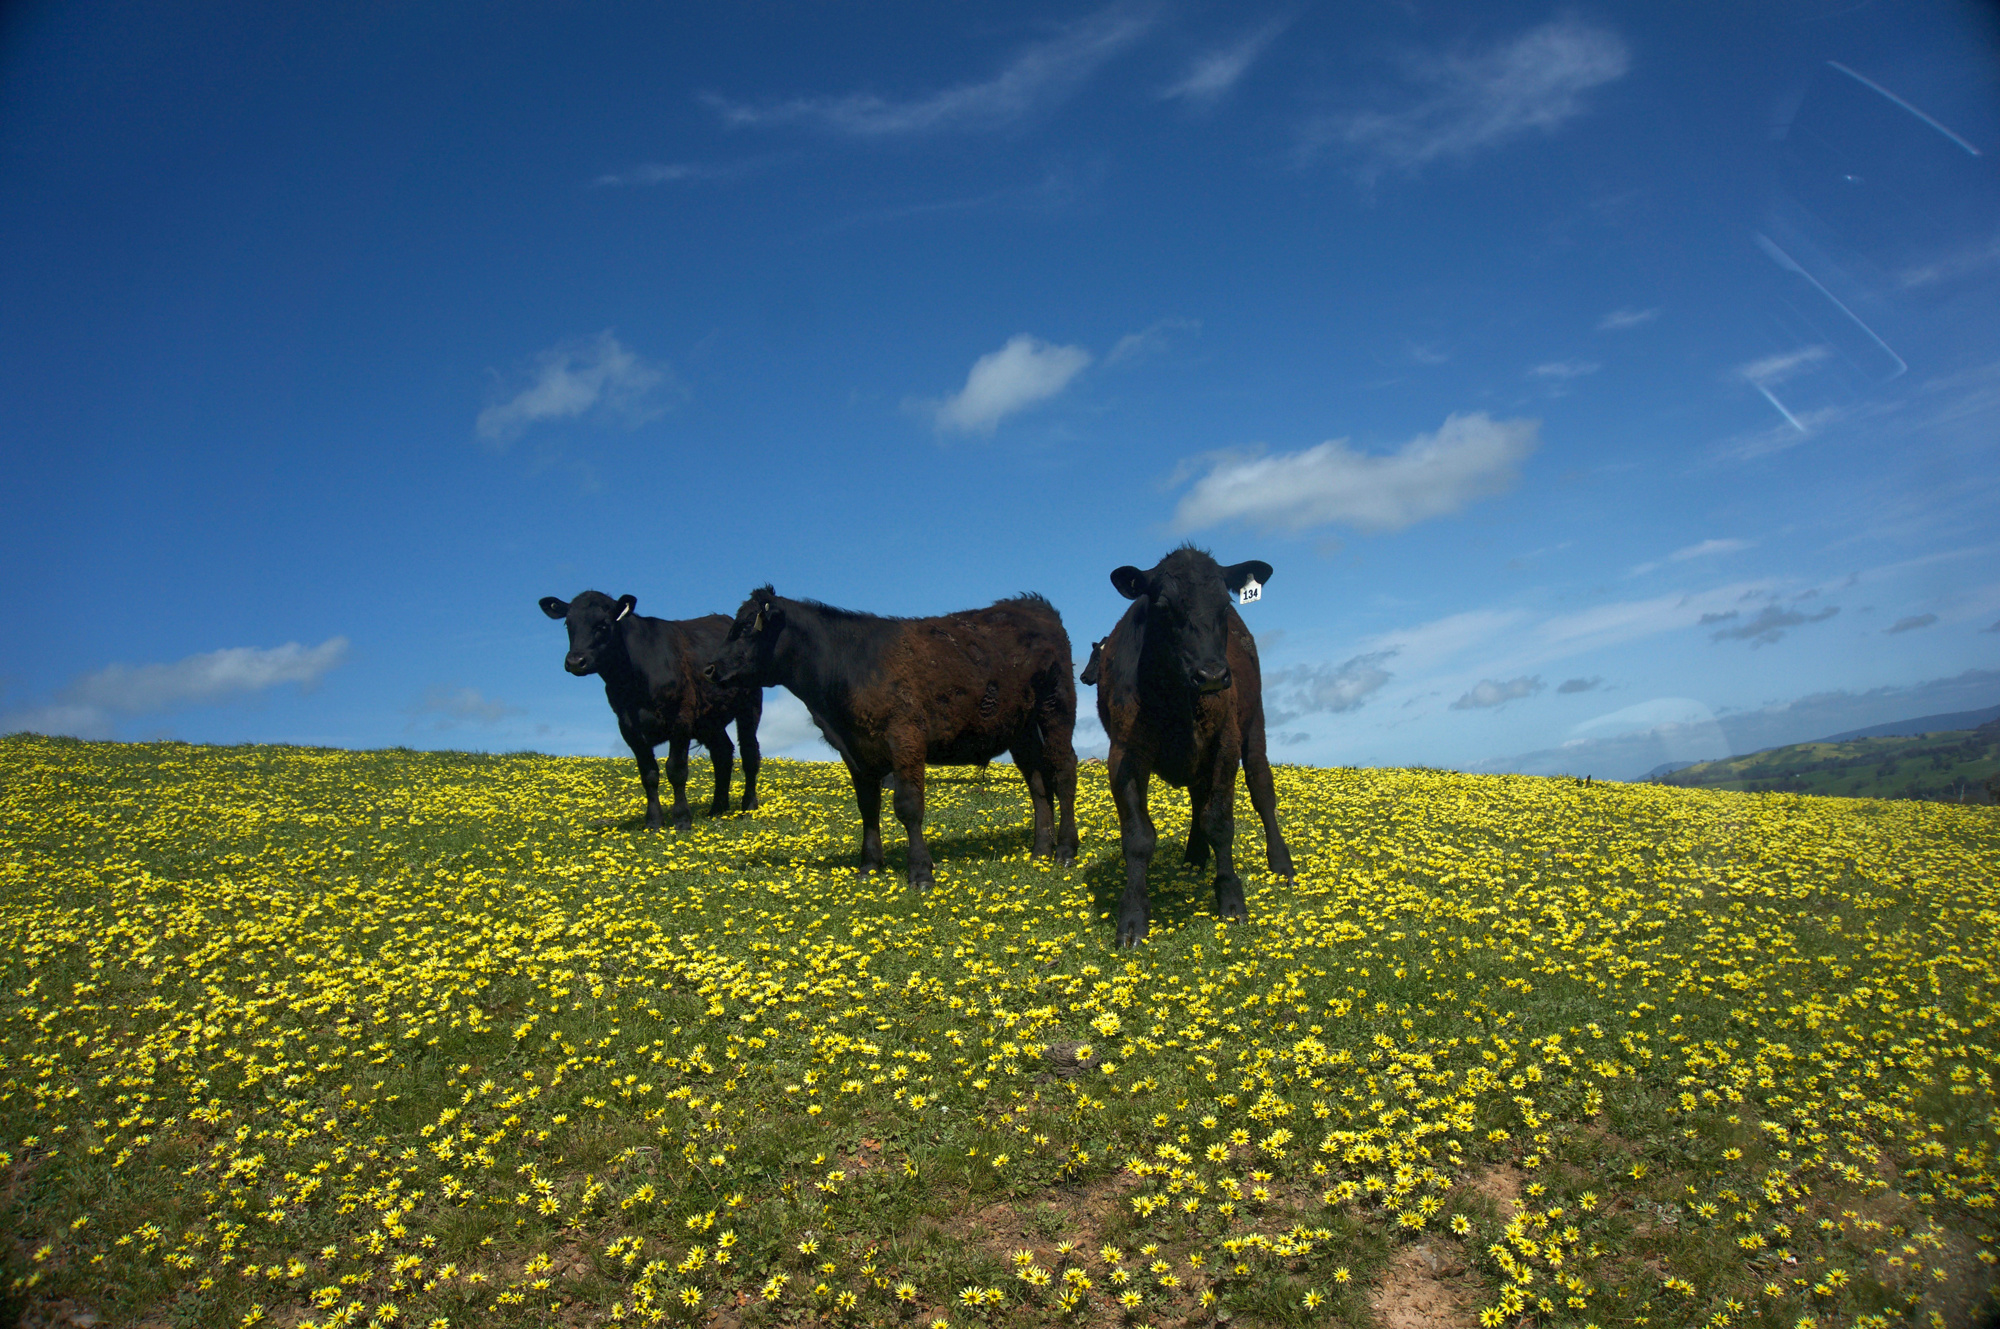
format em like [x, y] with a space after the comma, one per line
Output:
[804, 655]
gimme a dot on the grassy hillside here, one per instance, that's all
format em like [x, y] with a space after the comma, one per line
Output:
[314, 1037]
[1946, 767]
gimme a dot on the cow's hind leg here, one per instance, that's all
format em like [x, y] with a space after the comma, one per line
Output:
[868, 797]
[723, 753]
[747, 718]
[649, 775]
[677, 776]
[1264, 797]
[1033, 765]
[1058, 726]
[1136, 837]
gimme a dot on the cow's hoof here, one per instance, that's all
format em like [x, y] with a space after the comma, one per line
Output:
[1065, 858]
[749, 802]
[684, 823]
[1131, 934]
[718, 809]
[922, 885]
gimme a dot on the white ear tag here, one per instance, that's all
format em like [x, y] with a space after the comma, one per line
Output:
[622, 611]
[1252, 592]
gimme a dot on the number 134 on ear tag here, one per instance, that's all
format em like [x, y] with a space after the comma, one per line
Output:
[1252, 592]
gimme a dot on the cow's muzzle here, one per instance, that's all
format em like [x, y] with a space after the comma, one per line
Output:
[1209, 678]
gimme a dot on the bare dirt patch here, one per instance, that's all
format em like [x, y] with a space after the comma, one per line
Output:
[1426, 1287]
[1500, 1184]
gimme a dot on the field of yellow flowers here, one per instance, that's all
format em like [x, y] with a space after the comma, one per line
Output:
[308, 1037]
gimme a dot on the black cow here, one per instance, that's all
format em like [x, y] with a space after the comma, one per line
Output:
[1181, 696]
[893, 695]
[651, 669]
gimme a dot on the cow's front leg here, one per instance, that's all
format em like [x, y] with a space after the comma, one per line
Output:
[677, 776]
[909, 798]
[649, 775]
[1218, 822]
[746, 740]
[868, 796]
[722, 753]
[1136, 837]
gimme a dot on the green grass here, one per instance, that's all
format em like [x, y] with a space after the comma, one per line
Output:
[299, 1035]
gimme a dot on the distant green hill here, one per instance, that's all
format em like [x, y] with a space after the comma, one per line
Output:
[1951, 766]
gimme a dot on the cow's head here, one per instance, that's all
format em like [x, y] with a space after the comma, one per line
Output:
[746, 655]
[1186, 595]
[594, 621]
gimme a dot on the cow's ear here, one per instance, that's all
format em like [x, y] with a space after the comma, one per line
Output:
[554, 608]
[626, 603]
[1131, 582]
[1243, 573]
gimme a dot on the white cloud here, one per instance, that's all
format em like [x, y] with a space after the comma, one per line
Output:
[1701, 550]
[1216, 72]
[652, 173]
[1039, 77]
[1491, 692]
[1778, 368]
[1563, 370]
[1150, 340]
[86, 707]
[1470, 457]
[1620, 319]
[1767, 628]
[577, 377]
[454, 704]
[1571, 685]
[1311, 689]
[204, 679]
[786, 729]
[1483, 99]
[1025, 371]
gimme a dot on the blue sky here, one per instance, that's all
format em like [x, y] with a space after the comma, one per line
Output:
[1607, 384]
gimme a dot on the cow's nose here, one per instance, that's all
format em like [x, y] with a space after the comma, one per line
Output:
[708, 672]
[1210, 677]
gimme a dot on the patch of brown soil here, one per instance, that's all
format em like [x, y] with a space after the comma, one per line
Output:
[1426, 1287]
[1500, 1183]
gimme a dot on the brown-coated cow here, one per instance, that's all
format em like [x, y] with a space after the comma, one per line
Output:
[651, 671]
[893, 695]
[1181, 696]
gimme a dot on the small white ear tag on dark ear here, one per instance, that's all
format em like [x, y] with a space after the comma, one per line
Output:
[1252, 592]
[622, 611]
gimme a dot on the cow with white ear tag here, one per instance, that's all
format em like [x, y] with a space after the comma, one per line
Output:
[1181, 696]
[651, 669]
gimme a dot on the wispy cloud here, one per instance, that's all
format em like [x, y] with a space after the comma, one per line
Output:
[1911, 624]
[1570, 685]
[1785, 364]
[87, 707]
[1316, 689]
[1470, 457]
[451, 706]
[1472, 101]
[667, 173]
[1025, 371]
[1491, 692]
[575, 378]
[1150, 340]
[1618, 320]
[1768, 627]
[1563, 370]
[1215, 72]
[1704, 549]
[1038, 78]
